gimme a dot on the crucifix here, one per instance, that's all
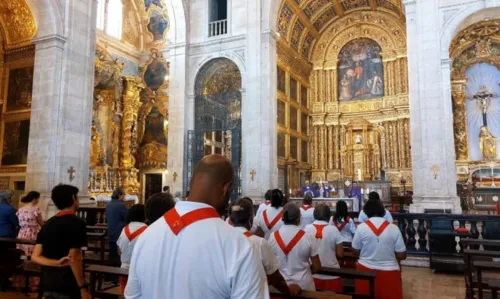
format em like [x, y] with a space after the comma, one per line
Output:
[252, 174]
[71, 172]
[483, 100]
[175, 176]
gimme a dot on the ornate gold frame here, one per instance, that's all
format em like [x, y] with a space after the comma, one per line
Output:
[162, 93]
[150, 35]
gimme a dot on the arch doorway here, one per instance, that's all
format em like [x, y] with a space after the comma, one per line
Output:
[217, 128]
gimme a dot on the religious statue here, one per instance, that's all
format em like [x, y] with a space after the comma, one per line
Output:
[345, 89]
[95, 146]
[358, 139]
[376, 84]
[487, 144]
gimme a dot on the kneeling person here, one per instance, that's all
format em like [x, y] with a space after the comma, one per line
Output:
[242, 220]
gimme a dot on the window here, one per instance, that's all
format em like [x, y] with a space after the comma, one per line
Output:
[293, 89]
[293, 119]
[115, 18]
[218, 10]
[101, 7]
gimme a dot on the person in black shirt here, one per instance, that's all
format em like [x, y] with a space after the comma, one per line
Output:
[58, 248]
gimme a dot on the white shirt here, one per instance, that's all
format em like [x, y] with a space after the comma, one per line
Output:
[264, 251]
[347, 231]
[272, 213]
[207, 259]
[262, 206]
[327, 245]
[295, 267]
[126, 246]
[378, 253]
[306, 217]
[362, 216]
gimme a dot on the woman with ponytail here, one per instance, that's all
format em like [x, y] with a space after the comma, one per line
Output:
[270, 220]
[30, 221]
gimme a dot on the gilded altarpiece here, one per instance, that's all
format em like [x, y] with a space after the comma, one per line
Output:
[359, 100]
[475, 54]
[128, 123]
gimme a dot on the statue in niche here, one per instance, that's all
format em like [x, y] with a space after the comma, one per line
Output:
[155, 128]
[95, 146]
[358, 139]
[487, 144]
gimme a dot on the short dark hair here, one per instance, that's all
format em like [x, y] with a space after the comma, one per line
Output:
[157, 205]
[308, 200]
[322, 212]
[166, 188]
[117, 193]
[374, 208]
[32, 195]
[374, 195]
[63, 196]
[341, 211]
[241, 212]
[276, 198]
[136, 214]
[268, 194]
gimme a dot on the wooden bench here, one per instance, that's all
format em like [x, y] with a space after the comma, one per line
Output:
[494, 285]
[471, 256]
[100, 237]
[97, 273]
[26, 268]
[477, 243]
[352, 274]
[481, 266]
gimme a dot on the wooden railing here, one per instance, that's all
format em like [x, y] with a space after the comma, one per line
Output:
[217, 28]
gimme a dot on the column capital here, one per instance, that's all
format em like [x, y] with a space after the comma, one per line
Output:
[270, 34]
[50, 41]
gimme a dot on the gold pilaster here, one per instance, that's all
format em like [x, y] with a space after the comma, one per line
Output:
[459, 119]
[330, 136]
[316, 147]
[386, 77]
[322, 149]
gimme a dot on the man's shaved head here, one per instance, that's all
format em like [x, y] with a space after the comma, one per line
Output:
[212, 182]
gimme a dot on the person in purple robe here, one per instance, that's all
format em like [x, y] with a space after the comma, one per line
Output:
[307, 189]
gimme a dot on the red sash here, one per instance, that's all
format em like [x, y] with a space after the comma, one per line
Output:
[132, 236]
[341, 227]
[286, 249]
[306, 207]
[319, 230]
[248, 234]
[275, 220]
[229, 221]
[377, 231]
[177, 223]
[268, 202]
[64, 213]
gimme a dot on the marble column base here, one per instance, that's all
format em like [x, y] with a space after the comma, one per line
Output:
[420, 204]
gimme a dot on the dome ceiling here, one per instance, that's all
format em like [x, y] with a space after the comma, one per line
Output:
[17, 21]
[300, 22]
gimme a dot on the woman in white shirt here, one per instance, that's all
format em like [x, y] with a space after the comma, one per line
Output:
[306, 211]
[380, 247]
[128, 237]
[342, 222]
[242, 218]
[296, 251]
[362, 215]
[270, 220]
[329, 242]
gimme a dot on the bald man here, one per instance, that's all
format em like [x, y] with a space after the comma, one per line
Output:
[192, 253]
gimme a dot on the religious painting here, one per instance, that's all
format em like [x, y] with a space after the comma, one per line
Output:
[155, 73]
[158, 24]
[154, 130]
[281, 80]
[293, 89]
[281, 113]
[304, 151]
[293, 119]
[483, 112]
[303, 123]
[15, 143]
[303, 96]
[281, 145]
[360, 71]
[293, 147]
[20, 87]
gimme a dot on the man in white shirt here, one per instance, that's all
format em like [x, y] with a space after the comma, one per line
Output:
[306, 212]
[191, 253]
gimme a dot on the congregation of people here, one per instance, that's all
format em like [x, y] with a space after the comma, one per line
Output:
[208, 247]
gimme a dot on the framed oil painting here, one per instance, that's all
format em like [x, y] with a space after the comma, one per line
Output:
[293, 89]
[281, 113]
[281, 145]
[158, 24]
[294, 125]
[19, 89]
[148, 3]
[15, 143]
[155, 73]
[281, 80]
[360, 71]
[155, 128]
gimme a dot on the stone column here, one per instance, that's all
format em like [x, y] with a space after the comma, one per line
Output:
[61, 111]
[431, 113]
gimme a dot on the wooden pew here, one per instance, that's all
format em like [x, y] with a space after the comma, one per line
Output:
[352, 274]
[97, 272]
[476, 243]
[481, 266]
[27, 268]
[101, 248]
[494, 285]
[471, 256]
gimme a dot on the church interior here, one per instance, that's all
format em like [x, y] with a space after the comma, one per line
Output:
[401, 97]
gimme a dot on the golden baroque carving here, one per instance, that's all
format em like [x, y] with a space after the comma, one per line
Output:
[152, 155]
[459, 119]
[476, 34]
[131, 26]
[19, 21]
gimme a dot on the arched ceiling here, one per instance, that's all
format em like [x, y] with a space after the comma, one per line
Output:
[17, 21]
[301, 22]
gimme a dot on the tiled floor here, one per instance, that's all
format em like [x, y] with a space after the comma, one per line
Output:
[418, 283]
